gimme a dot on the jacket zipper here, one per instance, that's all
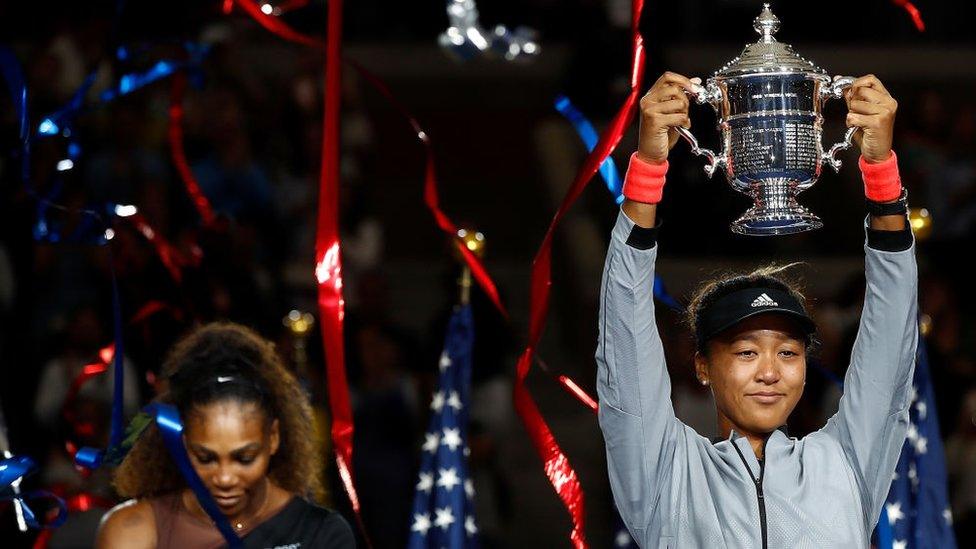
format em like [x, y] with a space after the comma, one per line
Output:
[759, 490]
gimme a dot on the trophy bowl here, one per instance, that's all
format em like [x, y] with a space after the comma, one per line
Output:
[768, 101]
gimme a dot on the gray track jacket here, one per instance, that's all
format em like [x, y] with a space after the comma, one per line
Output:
[675, 488]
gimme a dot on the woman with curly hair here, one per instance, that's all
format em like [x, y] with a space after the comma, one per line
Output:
[249, 436]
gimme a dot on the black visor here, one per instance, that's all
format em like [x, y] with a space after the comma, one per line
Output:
[737, 306]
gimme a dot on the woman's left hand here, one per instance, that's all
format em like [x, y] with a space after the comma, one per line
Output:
[872, 109]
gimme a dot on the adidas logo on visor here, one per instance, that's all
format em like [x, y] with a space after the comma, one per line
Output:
[764, 301]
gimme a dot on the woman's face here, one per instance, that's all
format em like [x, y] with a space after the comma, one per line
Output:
[230, 445]
[756, 371]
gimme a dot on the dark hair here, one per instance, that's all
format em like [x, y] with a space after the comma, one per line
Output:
[769, 276]
[220, 362]
[217, 373]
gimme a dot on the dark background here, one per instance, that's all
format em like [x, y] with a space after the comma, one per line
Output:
[504, 159]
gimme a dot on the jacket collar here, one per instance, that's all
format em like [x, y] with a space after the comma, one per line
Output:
[734, 435]
[777, 439]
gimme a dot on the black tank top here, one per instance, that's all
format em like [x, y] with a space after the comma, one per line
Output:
[297, 525]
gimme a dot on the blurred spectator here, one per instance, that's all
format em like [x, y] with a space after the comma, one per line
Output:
[385, 411]
[961, 465]
[83, 336]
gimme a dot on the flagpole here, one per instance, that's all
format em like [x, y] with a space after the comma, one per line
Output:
[475, 242]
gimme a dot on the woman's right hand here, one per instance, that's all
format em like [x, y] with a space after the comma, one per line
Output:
[664, 107]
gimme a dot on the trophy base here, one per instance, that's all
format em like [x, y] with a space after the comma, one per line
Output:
[771, 224]
[776, 211]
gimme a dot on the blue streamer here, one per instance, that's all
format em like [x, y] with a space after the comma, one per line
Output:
[31, 518]
[61, 123]
[586, 131]
[169, 424]
[118, 368]
[61, 120]
[131, 82]
[831, 376]
[91, 458]
[13, 75]
[168, 421]
[611, 176]
[13, 468]
[662, 295]
[18, 467]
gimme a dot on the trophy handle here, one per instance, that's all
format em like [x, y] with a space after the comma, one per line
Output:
[835, 90]
[702, 95]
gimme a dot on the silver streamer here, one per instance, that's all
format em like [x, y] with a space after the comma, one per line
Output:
[465, 38]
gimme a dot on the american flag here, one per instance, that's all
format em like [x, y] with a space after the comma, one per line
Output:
[443, 504]
[916, 514]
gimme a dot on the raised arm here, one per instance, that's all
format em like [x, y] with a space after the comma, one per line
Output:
[872, 419]
[636, 416]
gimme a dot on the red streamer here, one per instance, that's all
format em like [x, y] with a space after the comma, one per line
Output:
[561, 475]
[105, 356]
[200, 201]
[151, 308]
[577, 391]
[289, 5]
[172, 259]
[328, 271]
[279, 27]
[431, 197]
[912, 12]
[328, 261]
[78, 503]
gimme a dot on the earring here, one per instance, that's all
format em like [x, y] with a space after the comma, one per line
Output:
[704, 382]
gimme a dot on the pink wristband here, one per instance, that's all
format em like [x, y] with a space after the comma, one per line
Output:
[644, 181]
[881, 181]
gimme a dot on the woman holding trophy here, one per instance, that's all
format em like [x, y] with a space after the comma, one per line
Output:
[756, 486]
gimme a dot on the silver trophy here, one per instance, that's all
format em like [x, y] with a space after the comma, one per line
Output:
[769, 101]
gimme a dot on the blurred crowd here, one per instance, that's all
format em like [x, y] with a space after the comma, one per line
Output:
[253, 139]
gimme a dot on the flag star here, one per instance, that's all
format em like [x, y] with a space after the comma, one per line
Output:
[426, 482]
[899, 544]
[894, 512]
[894, 476]
[912, 472]
[922, 409]
[444, 518]
[454, 401]
[451, 438]
[921, 445]
[469, 488]
[913, 393]
[421, 523]
[437, 402]
[445, 362]
[947, 515]
[431, 441]
[912, 433]
[622, 539]
[470, 526]
[448, 478]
